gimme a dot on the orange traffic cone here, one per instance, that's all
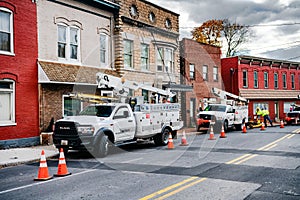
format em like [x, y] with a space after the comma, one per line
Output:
[43, 174]
[244, 128]
[222, 135]
[262, 126]
[170, 142]
[183, 140]
[281, 124]
[62, 166]
[211, 134]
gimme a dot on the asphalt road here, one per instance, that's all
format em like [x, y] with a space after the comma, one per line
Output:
[255, 165]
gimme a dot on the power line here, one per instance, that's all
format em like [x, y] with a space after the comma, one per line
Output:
[254, 25]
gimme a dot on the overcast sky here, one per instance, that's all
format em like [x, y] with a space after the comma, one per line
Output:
[275, 23]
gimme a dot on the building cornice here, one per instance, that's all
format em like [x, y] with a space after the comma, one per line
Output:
[149, 27]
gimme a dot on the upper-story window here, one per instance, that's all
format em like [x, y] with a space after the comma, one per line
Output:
[255, 79]
[103, 49]
[192, 71]
[168, 23]
[266, 79]
[152, 17]
[68, 42]
[275, 80]
[165, 56]
[169, 60]
[293, 81]
[144, 56]
[7, 103]
[128, 54]
[205, 72]
[284, 81]
[245, 78]
[215, 73]
[6, 31]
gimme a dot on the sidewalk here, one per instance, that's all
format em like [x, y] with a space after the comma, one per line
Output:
[16, 156]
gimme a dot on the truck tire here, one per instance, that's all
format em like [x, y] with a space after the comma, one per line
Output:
[225, 125]
[102, 148]
[162, 139]
[238, 127]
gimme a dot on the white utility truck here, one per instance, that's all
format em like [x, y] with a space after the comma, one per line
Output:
[102, 125]
[229, 113]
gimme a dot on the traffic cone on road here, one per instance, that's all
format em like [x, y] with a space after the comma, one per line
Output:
[170, 142]
[43, 173]
[62, 166]
[262, 126]
[211, 134]
[222, 135]
[183, 139]
[244, 128]
[281, 124]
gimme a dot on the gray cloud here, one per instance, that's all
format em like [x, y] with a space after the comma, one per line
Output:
[246, 12]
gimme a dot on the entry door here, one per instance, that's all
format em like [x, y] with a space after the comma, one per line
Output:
[124, 124]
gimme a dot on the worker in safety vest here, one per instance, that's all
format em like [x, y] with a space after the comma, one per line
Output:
[265, 114]
[258, 111]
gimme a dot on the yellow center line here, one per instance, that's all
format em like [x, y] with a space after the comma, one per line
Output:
[180, 189]
[168, 188]
[296, 131]
[245, 159]
[239, 158]
[291, 136]
[270, 147]
[266, 146]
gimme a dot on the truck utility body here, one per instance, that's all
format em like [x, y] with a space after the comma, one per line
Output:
[229, 113]
[102, 125]
[118, 124]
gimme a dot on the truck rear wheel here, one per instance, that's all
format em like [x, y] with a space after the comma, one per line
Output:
[162, 138]
[102, 148]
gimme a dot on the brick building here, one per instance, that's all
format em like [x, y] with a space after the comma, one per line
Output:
[75, 42]
[146, 41]
[266, 83]
[200, 68]
[18, 74]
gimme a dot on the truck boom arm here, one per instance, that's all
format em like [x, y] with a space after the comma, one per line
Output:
[223, 95]
[121, 86]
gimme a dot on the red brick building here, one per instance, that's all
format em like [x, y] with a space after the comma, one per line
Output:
[19, 121]
[266, 83]
[200, 68]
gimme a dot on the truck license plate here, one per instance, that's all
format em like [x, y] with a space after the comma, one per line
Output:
[64, 142]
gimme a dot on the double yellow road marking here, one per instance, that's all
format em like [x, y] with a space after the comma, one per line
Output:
[175, 187]
[267, 147]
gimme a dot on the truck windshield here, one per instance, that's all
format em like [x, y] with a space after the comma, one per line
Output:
[99, 111]
[215, 108]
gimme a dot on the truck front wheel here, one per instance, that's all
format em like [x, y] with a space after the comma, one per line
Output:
[162, 138]
[102, 148]
[225, 125]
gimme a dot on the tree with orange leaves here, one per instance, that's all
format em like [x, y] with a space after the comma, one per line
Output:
[211, 31]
